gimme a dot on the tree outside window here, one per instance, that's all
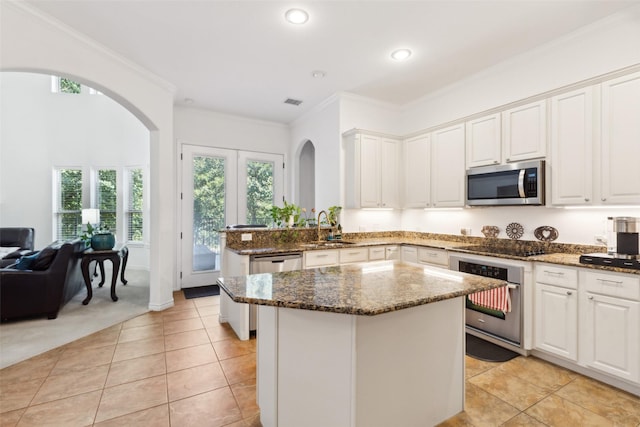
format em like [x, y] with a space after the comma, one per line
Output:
[134, 205]
[69, 212]
[69, 86]
[107, 198]
[259, 192]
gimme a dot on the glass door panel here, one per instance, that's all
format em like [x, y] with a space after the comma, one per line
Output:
[261, 181]
[208, 205]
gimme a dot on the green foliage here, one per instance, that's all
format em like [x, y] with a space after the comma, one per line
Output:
[334, 214]
[135, 205]
[208, 199]
[91, 231]
[69, 86]
[107, 197]
[280, 215]
[70, 203]
[259, 191]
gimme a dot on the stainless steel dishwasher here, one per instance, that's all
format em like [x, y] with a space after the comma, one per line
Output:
[289, 261]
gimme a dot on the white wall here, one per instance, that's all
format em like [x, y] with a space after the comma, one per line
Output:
[208, 128]
[40, 130]
[606, 46]
[321, 127]
[31, 41]
[602, 47]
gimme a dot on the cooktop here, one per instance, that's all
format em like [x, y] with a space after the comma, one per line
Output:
[632, 262]
[513, 251]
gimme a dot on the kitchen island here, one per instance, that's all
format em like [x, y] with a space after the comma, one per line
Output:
[373, 344]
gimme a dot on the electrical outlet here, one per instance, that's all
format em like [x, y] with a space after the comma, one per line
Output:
[246, 237]
[600, 240]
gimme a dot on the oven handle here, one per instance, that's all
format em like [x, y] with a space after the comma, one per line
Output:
[521, 183]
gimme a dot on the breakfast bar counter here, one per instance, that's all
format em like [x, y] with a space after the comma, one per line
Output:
[372, 344]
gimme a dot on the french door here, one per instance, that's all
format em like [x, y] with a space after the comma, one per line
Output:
[222, 187]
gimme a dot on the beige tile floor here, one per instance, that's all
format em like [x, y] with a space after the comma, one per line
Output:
[181, 367]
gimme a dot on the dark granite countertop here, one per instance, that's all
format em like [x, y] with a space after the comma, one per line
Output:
[562, 258]
[361, 289]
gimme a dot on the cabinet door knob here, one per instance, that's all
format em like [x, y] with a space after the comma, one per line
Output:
[508, 160]
[495, 162]
[590, 297]
[604, 199]
[586, 199]
[569, 293]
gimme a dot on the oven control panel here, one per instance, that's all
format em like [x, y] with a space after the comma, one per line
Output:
[483, 270]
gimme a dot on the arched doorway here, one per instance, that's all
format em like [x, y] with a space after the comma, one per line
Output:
[33, 43]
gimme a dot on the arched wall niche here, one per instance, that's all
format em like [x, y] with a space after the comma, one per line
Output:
[306, 182]
[31, 41]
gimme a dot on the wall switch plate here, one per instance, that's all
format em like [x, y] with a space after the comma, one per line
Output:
[246, 237]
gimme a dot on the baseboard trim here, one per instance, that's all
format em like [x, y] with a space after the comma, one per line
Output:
[161, 307]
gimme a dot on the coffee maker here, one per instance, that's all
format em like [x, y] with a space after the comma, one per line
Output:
[623, 244]
[626, 229]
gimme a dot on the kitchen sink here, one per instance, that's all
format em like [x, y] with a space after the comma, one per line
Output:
[327, 244]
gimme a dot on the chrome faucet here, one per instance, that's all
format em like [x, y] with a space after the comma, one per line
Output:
[327, 217]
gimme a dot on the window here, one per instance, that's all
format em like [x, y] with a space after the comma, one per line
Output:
[69, 203]
[107, 198]
[134, 205]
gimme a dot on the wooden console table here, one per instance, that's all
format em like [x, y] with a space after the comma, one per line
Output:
[114, 256]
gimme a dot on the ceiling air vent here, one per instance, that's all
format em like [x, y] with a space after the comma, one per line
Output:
[293, 101]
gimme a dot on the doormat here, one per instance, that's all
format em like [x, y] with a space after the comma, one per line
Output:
[487, 351]
[201, 291]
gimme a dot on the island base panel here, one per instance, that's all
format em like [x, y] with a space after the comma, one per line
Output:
[400, 368]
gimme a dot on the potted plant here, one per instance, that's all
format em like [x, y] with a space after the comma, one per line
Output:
[98, 238]
[334, 215]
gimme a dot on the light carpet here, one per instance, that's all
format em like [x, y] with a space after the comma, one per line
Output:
[23, 339]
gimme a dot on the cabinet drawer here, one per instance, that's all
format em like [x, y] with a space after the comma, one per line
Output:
[354, 255]
[392, 252]
[611, 284]
[321, 258]
[409, 254]
[559, 276]
[376, 253]
[433, 256]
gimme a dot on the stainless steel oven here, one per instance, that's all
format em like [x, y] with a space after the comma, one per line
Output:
[504, 327]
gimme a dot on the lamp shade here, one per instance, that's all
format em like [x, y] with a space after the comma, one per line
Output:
[91, 216]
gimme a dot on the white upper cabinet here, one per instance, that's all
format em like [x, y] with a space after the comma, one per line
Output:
[571, 162]
[483, 142]
[447, 167]
[417, 172]
[524, 132]
[620, 145]
[371, 171]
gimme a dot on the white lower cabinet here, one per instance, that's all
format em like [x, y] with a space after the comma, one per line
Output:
[438, 257]
[590, 318]
[556, 324]
[556, 311]
[348, 256]
[392, 253]
[610, 324]
[325, 258]
[377, 253]
[409, 254]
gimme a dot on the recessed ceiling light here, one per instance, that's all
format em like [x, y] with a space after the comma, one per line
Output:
[318, 74]
[296, 16]
[400, 54]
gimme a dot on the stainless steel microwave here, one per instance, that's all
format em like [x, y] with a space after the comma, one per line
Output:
[503, 185]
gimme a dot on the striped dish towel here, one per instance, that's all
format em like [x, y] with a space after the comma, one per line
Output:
[496, 299]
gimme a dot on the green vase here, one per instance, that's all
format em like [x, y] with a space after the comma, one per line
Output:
[103, 241]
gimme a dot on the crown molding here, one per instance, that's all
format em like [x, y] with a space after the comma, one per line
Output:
[87, 41]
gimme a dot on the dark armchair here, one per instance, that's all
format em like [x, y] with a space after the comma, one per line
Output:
[16, 237]
[27, 293]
